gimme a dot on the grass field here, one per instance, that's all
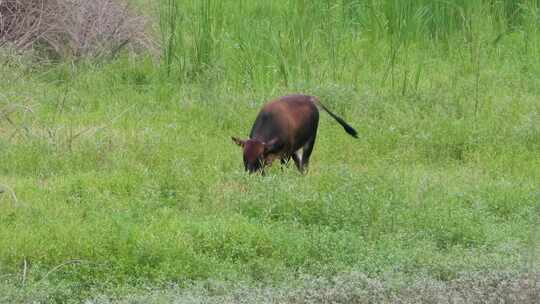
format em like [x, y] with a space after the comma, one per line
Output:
[120, 176]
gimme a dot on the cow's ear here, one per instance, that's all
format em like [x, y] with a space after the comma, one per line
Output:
[238, 141]
[271, 145]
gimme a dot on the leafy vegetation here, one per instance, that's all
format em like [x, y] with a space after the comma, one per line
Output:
[122, 174]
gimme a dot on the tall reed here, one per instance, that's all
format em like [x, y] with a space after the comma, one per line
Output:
[258, 44]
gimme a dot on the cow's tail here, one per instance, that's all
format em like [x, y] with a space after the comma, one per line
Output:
[350, 130]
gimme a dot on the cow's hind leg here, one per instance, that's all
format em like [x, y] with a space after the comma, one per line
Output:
[297, 157]
[306, 153]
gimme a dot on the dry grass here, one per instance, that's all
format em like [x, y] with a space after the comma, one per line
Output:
[71, 28]
[358, 288]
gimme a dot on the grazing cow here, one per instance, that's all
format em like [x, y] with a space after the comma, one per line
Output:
[282, 129]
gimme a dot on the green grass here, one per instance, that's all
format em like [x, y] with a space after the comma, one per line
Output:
[123, 174]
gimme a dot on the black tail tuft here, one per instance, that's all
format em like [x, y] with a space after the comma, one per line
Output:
[350, 130]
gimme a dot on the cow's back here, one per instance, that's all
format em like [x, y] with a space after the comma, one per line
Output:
[293, 119]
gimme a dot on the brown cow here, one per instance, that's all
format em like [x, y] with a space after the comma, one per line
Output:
[284, 127]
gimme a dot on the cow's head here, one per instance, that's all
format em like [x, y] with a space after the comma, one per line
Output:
[255, 153]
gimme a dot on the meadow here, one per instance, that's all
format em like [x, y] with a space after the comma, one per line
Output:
[119, 177]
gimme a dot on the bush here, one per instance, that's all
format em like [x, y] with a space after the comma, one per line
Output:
[61, 29]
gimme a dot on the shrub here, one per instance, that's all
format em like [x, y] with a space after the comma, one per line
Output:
[62, 29]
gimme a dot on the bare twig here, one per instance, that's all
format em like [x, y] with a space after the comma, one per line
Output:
[5, 113]
[72, 136]
[57, 267]
[25, 269]
[13, 196]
